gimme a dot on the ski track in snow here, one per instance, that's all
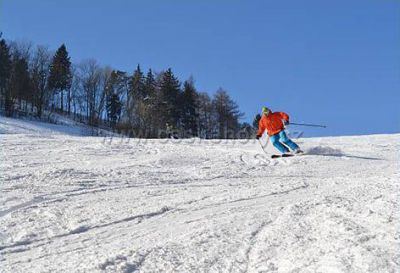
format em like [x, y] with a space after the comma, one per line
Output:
[88, 204]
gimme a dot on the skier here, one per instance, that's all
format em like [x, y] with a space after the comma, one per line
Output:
[274, 123]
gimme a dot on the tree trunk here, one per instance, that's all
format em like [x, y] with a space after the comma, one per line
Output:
[69, 101]
[39, 111]
[62, 101]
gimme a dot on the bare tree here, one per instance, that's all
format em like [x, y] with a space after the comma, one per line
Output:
[227, 114]
[206, 116]
[21, 48]
[39, 76]
[105, 79]
[77, 98]
[93, 80]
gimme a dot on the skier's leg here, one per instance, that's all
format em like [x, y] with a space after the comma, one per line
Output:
[275, 141]
[284, 139]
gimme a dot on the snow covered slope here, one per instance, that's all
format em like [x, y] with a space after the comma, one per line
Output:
[66, 127]
[86, 204]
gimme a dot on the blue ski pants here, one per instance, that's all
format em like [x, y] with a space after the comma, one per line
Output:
[280, 138]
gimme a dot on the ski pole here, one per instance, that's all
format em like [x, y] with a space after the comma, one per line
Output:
[264, 146]
[305, 124]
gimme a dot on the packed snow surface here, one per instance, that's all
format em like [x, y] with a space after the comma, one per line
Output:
[90, 204]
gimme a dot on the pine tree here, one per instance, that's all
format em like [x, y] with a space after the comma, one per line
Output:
[188, 104]
[170, 93]
[5, 72]
[60, 77]
[20, 88]
[150, 86]
[113, 107]
[256, 121]
[136, 97]
[151, 101]
[119, 84]
[113, 90]
[137, 84]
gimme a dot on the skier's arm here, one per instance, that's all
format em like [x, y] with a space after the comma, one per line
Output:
[261, 129]
[284, 116]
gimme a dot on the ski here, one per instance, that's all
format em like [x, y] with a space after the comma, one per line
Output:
[279, 156]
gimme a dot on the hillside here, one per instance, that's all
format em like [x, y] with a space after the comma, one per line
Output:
[90, 204]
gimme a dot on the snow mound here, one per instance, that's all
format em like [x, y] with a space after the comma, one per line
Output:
[324, 150]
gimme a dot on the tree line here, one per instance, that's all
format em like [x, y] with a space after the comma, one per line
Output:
[38, 81]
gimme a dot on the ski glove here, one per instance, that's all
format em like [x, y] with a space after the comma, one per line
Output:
[286, 122]
[258, 136]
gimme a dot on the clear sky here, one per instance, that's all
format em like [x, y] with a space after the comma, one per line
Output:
[330, 62]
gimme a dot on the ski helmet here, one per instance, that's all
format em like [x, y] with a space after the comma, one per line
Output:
[265, 110]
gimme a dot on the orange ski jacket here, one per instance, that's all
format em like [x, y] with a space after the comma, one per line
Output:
[272, 123]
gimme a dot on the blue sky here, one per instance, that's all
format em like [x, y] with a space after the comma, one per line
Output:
[330, 62]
